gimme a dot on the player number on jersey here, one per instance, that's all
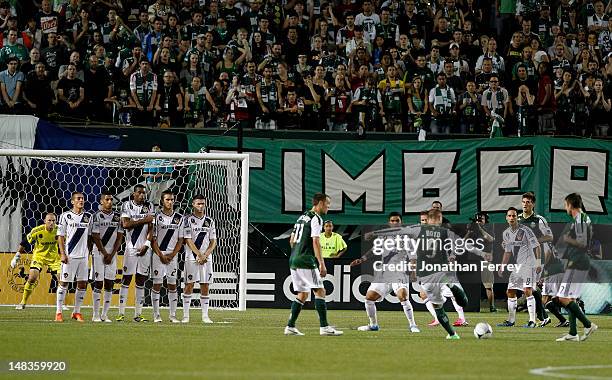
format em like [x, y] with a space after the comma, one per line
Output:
[298, 229]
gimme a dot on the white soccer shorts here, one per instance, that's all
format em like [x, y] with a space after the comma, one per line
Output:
[551, 284]
[383, 288]
[524, 278]
[100, 271]
[159, 270]
[304, 280]
[76, 268]
[133, 264]
[436, 286]
[572, 282]
[201, 273]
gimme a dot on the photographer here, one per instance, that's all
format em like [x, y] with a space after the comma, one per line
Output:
[477, 230]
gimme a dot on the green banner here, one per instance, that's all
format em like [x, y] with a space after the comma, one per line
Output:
[369, 179]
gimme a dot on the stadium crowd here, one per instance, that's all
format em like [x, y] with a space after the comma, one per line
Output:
[446, 66]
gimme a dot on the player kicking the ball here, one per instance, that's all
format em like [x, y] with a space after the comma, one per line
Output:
[307, 265]
[73, 234]
[200, 242]
[379, 290]
[136, 219]
[167, 243]
[107, 235]
[577, 240]
[520, 241]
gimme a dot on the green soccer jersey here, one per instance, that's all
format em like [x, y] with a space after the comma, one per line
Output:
[308, 225]
[433, 249]
[540, 228]
[582, 231]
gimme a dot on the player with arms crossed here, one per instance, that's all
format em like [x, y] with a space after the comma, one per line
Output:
[377, 291]
[200, 242]
[577, 240]
[307, 265]
[107, 235]
[544, 234]
[136, 219]
[520, 241]
[72, 240]
[43, 238]
[167, 243]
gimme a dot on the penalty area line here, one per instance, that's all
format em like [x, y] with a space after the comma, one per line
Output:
[555, 372]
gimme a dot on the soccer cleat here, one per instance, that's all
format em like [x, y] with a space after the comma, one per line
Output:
[59, 317]
[106, 320]
[77, 317]
[173, 319]
[293, 331]
[96, 319]
[493, 309]
[328, 330]
[506, 324]
[21, 306]
[460, 322]
[157, 318]
[368, 328]
[207, 320]
[414, 329]
[185, 320]
[563, 324]
[433, 323]
[140, 318]
[530, 325]
[588, 331]
[120, 318]
[568, 337]
[453, 337]
[545, 322]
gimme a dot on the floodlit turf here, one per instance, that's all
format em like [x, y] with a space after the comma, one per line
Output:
[251, 345]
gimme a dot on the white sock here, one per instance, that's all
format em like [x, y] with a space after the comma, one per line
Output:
[186, 305]
[531, 308]
[78, 300]
[512, 309]
[123, 293]
[108, 297]
[61, 296]
[139, 300]
[458, 309]
[97, 295]
[204, 301]
[370, 307]
[155, 302]
[409, 312]
[173, 301]
[431, 309]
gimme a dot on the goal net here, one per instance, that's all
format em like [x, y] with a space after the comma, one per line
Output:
[33, 183]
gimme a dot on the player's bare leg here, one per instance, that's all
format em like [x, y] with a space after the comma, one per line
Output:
[97, 296]
[29, 287]
[81, 290]
[108, 296]
[491, 300]
[402, 295]
[370, 307]
[140, 292]
[204, 302]
[123, 295]
[574, 312]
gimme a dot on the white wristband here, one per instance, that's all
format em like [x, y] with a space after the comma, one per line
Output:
[148, 243]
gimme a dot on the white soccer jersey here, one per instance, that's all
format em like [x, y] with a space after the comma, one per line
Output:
[75, 229]
[107, 225]
[137, 236]
[521, 242]
[167, 230]
[201, 231]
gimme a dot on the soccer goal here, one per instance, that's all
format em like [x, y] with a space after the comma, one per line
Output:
[35, 182]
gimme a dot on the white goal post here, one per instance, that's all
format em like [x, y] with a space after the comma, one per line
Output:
[34, 182]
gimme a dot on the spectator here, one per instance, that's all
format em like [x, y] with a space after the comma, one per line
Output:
[545, 99]
[196, 110]
[37, 94]
[98, 89]
[237, 102]
[496, 100]
[82, 31]
[599, 109]
[11, 81]
[470, 109]
[332, 243]
[442, 100]
[291, 110]
[418, 105]
[27, 67]
[152, 40]
[170, 102]
[339, 97]
[48, 21]
[75, 59]
[366, 104]
[268, 97]
[71, 94]
[54, 55]
[143, 87]
[13, 49]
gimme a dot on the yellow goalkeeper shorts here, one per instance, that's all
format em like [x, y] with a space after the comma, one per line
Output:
[53, 262]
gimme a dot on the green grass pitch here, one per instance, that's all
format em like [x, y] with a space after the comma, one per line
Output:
[251, 345]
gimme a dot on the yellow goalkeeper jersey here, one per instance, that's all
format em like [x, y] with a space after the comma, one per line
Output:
[44, 243]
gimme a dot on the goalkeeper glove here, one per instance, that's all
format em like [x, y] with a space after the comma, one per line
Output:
[15, 260]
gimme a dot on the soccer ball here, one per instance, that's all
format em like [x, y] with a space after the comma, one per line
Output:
[483, 331]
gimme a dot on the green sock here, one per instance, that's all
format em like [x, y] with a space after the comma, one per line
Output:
[322, 310]
[296, 307]
[443, 319]
[572, 321]
[540, 311]
[577, 312]
[27, 291]
[460, 295]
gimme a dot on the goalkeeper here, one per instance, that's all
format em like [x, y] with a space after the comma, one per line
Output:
[44, 242]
